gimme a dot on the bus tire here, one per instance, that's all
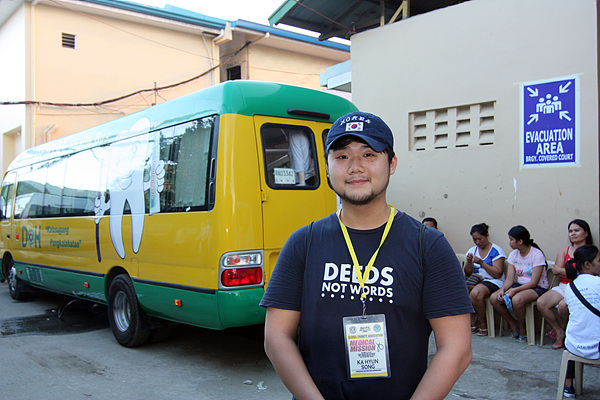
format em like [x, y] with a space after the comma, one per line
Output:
[16, 287]
[128, 321]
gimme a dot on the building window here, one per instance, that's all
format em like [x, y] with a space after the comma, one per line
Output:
[461, 126]
[68, 40]
[234, 73]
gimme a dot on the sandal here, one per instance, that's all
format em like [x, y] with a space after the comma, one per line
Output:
[482, 332]
[522, 338]
[560, 341]
[474, 329]
[514, 335]
[551, 334]
[558, 345]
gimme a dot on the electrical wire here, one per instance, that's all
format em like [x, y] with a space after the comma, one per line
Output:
[154, 89]
[101, 103]
[125, 31]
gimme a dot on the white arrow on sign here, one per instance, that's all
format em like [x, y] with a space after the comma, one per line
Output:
[532, 92]
[565, 115]
[564, 88]
[533, 118]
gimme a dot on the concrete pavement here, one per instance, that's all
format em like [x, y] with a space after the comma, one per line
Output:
[504, 368]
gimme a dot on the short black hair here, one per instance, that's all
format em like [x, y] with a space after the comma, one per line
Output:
[346, 140]
[430, 219]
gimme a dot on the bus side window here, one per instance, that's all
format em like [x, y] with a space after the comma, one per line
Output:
[290, 157]
[54, 187]
[29, 197]
[185, 151]
[6, 196]
[83, 182]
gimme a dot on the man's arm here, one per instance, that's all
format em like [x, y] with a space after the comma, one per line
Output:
[281, 329]
[453, 355]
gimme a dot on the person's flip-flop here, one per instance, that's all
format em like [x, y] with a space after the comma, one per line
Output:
[482, 332]
[558, 345]
[514, 335]
[551, 334]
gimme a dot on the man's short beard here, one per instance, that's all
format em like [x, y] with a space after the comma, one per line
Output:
[361, 201]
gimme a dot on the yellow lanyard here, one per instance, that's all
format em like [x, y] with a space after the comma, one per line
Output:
[362, 277]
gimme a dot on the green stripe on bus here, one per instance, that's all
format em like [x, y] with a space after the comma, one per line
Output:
[224, 309]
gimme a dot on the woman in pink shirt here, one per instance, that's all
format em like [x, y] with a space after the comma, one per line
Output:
[528, 264]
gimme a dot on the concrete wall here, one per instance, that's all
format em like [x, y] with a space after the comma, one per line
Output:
[12, 84]
[118, 53]
[473, 57]
[112, 58]
[278, 60]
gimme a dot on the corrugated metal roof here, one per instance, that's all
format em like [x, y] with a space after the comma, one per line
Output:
[240, 23]
[343, 18]
[191, 17]
[168, 12]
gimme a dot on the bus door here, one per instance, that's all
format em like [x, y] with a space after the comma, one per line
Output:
[7, 231]
[294, 185]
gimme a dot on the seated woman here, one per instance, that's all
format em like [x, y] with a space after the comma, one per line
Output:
[486, 261]
[584, 326]
[579, 235]
[528, 264]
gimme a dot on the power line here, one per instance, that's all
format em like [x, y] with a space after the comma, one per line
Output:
[103, 102]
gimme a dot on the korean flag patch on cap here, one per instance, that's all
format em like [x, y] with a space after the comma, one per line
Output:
[354, 127]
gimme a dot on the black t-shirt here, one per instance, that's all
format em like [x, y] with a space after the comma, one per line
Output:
[326, 290]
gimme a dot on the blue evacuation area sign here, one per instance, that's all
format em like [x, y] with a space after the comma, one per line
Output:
[549, 122]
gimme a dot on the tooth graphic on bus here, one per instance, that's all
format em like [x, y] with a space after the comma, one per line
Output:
[125, 165]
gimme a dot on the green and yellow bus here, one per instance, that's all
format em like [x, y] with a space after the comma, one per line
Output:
[174, 213]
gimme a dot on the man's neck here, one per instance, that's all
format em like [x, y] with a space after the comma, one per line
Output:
[368, 216]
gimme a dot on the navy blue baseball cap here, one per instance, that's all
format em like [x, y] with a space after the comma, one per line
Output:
[368, 127]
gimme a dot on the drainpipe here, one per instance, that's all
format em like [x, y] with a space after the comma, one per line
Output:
[48, 133]
[225, 36]
[31, 96]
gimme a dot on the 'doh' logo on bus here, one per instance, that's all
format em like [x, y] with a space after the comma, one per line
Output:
[31, 237]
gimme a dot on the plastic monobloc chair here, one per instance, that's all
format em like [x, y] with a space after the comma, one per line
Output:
[579, 361]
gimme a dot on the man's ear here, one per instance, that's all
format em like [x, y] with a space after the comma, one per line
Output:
[393, 165]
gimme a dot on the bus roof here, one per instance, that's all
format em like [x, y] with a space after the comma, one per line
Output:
[232, 97]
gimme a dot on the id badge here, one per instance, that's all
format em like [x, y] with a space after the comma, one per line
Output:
[367, 354]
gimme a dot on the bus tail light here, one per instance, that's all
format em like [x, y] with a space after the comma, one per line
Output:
[241, 269]
[241, 276]
[238, 260]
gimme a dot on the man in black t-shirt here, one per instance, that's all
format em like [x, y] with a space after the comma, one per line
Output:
[355, 286]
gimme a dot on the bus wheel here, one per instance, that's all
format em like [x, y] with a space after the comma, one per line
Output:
[127, 319]
[16, 287]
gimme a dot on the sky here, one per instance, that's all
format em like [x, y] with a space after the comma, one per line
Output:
[231, 10]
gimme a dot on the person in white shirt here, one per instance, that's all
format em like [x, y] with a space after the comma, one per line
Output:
[484, 267]
[583, 328]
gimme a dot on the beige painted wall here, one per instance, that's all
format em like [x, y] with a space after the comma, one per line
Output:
[266, 60]
[113, 58]
[282, 66]
[13, 69]
[480, 52]
[120, 52]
